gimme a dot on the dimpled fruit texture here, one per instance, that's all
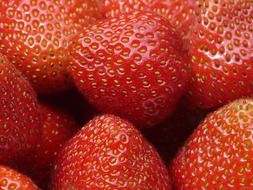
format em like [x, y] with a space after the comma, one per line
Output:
[19, 117]
[58, 127]
[219, 153]
[133, 66]
[222, 53]
[12, 180]
[34, 34]
[180, 13]
[108, 154]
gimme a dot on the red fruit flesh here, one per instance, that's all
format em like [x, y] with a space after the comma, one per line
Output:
[219, 153]
[222, 53]
[12, 180]
[35, 36]
[108, 154]
[180, 13]
[133, 66]
[19, 116]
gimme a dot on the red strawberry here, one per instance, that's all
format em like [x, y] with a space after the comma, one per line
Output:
[108, 154]
[222, 53]
[180, 13]
[35, 36]
[219, 153]
[171, 134]
[12, 180]
[19, 116]
[132, 66]
[58, 128]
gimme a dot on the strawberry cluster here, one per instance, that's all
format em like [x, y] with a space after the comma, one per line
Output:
[126, 95]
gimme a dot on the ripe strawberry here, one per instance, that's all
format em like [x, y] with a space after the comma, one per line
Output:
[12, 180]
[132, 66]
[107, 154]
[58, 127]
[219, 153]
[180, 13]
[19, 116]
[35, 36]
[222, 53]
[171, 134]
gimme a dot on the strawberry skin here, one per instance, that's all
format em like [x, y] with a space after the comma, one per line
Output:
[219, 153]
[171, 134]
[180, 13]
[19, 116]
[58, 127]
[108, 154]
[222, 53]
[35, 36]
[132, 66]
[12, 180]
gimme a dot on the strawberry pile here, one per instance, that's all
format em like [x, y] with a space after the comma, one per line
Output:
[126, 94]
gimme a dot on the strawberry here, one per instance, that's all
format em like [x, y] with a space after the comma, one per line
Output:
[58, 127]
[13, 180]
[132, 66]
[171, 134]
[222, 53]
[19, 116]
[35, 36]
[180, 13]
[107, 154]
[218, 155]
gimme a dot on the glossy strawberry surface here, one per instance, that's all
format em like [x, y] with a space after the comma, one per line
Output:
[219, 154]
[35, 35]
[108, 154]
[180, 13]
[58, 126]
[133, 66]
[222, 53]
[19, 115]
[13, 180]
